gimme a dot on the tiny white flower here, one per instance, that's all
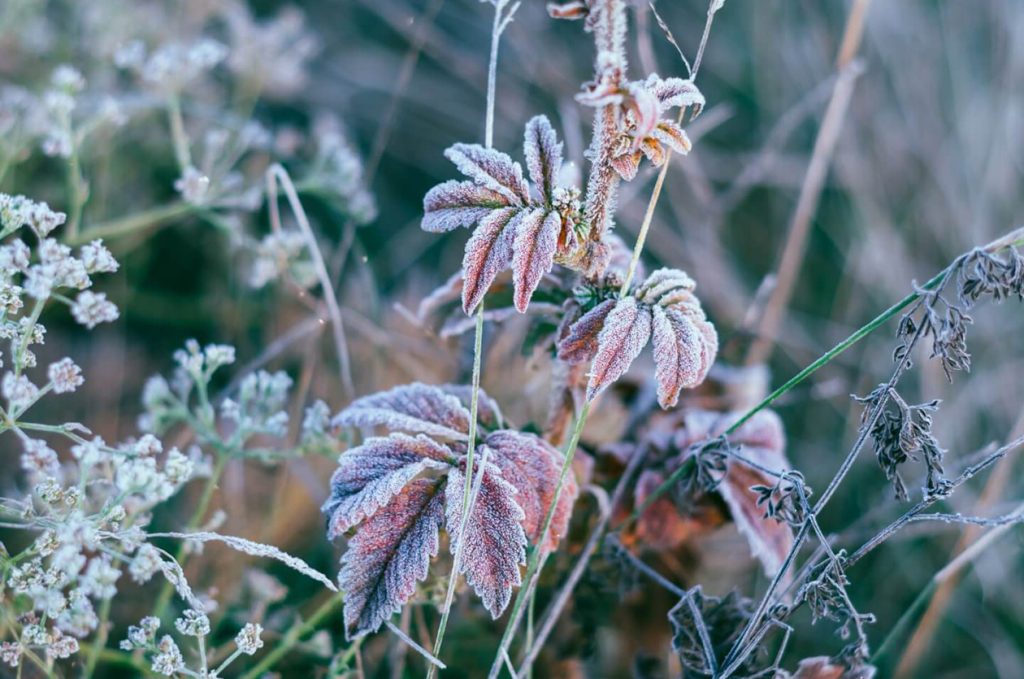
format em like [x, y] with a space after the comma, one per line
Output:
[248, 638]
[92, 308]
[65, 376]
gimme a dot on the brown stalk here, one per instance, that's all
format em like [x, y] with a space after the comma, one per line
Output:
[810, 192]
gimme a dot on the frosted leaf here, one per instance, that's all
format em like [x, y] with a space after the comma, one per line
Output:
[491, 169]
[543, 156]
[453, 204]
[663, 282]
[368, 476]
[488, 413]
[675, 92]
[581, 342]
[626, 165]
[488, 252]
[495, 544]
[624, 335]
[770, 540]
[532, 465]
[678, 355]
[673, 137]
[533, 253]
[653, 150]
[413, 408]
[389, 555]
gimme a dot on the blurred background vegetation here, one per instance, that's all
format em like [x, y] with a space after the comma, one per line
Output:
[928, 163]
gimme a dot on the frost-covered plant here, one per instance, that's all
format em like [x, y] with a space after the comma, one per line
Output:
[401, 488]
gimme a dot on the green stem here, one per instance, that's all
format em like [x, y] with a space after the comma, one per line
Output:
[537, 551]
[204, 502]
[294, 635]
[178, 135]
[466, 491]
[100, 643]
[126, 225]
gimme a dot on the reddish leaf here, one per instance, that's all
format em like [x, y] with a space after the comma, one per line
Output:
[661, 526]
[413, 408]
[453, 204]
[487, 411]
[581, 342]
[818, 667]
[491, 169]
[624, 335]
[664, 286]
[495, 542]
[488, 252]
[389, 555]
[533, 253]
[543, 156]
[531, 465]
[368, 476]
[679, 355]
[626, 164]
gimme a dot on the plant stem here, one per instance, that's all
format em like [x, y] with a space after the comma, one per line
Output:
[126, 225]
[453, 579]
[295, 634]
[100, 643]
[178, 135]
[197, 516]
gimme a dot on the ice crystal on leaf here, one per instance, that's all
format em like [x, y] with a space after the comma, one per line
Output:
[396, 490]
[615, 331]
[517, 225]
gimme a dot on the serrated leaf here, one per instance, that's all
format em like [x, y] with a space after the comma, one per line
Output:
[678, 355]
[581, 342]
[488, 252]
[368, 476]
[389, 555]
[543, 156]
[491, 169]
[664, 283]
[624, 335]
[488, 413]
[532, 465]
[495, 543]
[626, 165]
[413, 408]
[452, 204]
[533, 253]
[770, 540]
[675, 92]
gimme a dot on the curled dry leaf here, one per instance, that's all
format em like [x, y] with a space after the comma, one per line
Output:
[761, 440]
[515, 226]
[615, 331]
[395, 491]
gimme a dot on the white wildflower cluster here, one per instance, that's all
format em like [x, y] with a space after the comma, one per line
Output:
[171, 66]
[261, 403]
[272, 54]
[165, 655]
[339, 170]
[280, 254]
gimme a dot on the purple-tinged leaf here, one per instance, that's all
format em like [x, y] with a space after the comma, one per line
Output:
[491, 169]
[678, 355]
[368, 476]
[495, 543]
[487, 411]
[533, 253]
[624, 335]
[581, 342]
[675, 92]
[532, 465]
[543, 156]
[488, 252]
[413, 408]
[389, 554]
[452, 204]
